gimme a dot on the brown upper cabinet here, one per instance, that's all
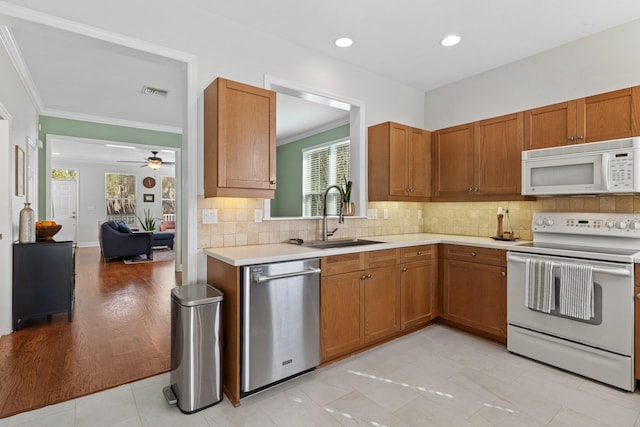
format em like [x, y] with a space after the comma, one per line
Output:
[239, 140]
[600, 117]
[480, 159]
[399, 163]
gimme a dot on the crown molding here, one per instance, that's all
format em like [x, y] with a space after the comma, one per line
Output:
[10, 45]
[4, 113]
[315, 131]
[110, 121]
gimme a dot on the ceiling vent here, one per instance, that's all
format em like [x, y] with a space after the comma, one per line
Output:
[154, 91]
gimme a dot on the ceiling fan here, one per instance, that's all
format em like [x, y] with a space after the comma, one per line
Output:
[154, 162]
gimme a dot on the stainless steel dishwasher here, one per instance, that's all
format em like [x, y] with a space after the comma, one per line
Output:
[281, 322]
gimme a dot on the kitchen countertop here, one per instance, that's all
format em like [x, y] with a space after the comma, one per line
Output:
[277, 252]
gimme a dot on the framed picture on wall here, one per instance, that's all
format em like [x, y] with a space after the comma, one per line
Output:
[20, 165]
[149, 198]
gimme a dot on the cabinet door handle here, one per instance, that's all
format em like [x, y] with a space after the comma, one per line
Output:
[580, 137]
[469, 190]
[571, 139]
[369, 276]
[363, 277]
[476, 189]
[473, 254]
[404, 270]
[273, 181]
[503, 273]
[419, 253]
[638, 296]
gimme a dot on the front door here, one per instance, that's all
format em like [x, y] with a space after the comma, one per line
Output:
[64, 196]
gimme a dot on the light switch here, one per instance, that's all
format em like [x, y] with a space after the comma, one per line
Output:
[209, 216]
[257, 215]
[386, 214]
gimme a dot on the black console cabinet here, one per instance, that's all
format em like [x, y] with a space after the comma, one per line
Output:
[43, 280]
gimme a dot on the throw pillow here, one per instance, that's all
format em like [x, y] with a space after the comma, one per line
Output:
[123, 228]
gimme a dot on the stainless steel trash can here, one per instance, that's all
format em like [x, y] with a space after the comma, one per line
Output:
[195, 348]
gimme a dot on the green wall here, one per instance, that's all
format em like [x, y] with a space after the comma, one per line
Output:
[82, 129]
[288, 197]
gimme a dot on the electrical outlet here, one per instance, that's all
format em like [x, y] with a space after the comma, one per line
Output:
[385, 214]
[372, 213]
[257, 215]
[209, 216]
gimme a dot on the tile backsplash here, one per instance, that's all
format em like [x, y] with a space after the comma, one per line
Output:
[236, 225]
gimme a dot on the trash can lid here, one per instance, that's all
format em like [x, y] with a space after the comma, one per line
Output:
[190, 295]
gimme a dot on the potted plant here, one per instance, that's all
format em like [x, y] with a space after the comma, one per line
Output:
[149, 222]
[348, 207]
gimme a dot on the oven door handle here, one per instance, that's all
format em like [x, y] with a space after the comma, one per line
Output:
[603, 270]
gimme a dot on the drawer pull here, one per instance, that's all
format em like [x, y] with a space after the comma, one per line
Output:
[419, 253]
[473, 254]
[404, 270]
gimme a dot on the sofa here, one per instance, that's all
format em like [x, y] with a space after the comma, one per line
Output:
[117, 240]
[166, 234]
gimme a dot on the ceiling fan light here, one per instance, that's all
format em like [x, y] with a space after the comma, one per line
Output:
[154, 164]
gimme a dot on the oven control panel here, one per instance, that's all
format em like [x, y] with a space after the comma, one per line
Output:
[603, 224]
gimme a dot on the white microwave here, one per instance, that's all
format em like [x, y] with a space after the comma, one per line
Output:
[592, 168]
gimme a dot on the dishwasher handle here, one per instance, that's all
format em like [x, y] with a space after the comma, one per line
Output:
[261, 279]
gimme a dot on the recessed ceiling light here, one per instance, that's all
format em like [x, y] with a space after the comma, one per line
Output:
[450, 40]
[344, 42]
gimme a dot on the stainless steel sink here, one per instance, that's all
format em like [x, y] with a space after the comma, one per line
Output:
[321, 244]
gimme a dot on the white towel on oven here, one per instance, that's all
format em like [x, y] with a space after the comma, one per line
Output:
[576, 291]
[539, 289]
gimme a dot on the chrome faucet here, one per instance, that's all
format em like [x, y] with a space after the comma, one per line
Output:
[325, 233]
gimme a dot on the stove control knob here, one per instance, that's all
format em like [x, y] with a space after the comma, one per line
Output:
[610, 224]
[549, 222]
[539, 222]
[622, 225]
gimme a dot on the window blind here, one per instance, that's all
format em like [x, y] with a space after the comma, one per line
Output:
[321, 167]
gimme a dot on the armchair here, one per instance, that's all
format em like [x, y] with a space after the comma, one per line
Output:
[117, 240]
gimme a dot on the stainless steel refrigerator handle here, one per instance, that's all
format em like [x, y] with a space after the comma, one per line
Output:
[612, 271]
[261, 279]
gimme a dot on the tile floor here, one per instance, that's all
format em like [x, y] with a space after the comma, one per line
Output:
[435, 377]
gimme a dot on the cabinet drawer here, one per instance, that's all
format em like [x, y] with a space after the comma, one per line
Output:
[418, 253]
[338, 264]
[475, 254]
[382, 258]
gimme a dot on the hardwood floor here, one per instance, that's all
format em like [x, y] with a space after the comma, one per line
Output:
[120, 333]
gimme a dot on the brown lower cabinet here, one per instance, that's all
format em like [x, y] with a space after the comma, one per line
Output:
[418, 278]
[372, 296]
[474, 288]
[362, 306]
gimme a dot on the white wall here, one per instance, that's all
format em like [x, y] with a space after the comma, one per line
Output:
[23, 124]
[226, 49]
[91, 206]
[600, 63]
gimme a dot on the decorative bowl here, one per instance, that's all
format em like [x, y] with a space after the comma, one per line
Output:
[47, 233]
